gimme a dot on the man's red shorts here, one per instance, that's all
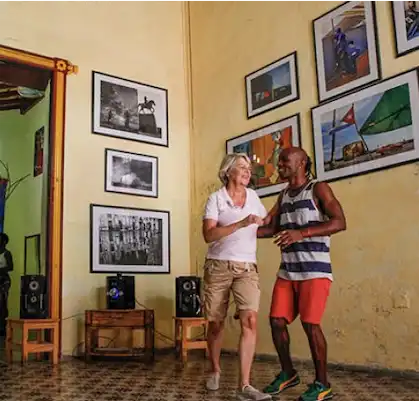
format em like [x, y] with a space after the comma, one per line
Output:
[307, 298]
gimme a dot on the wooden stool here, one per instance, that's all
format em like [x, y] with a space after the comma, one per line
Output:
[183, 343]
[38, 346]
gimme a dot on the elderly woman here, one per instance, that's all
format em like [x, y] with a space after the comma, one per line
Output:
[232, 217]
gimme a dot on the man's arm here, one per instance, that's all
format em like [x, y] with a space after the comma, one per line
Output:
[269, 229]
[331, 207]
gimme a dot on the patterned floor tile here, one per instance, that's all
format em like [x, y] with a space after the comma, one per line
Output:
[168, 380]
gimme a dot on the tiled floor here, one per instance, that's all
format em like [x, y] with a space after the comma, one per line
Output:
[166, 380]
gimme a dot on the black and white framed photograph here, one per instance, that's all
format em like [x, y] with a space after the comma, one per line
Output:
[263, 146]
[131, 173]
[373, 129]
[272, 86]
[346, 49]
[129, 240]
[406, 26]
[130, 110]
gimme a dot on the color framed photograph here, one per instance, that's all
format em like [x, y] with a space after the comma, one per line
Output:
[373, 129]
[130, 110]
[129, 240]
[346, 49]
[406, 26]
[272, 86]
[263, 146]
[131, 173]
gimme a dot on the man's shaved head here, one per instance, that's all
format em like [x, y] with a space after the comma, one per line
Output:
[293, 161]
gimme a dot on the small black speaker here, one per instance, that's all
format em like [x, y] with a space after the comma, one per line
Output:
[120, 292]
[33, 297]
[188, 296]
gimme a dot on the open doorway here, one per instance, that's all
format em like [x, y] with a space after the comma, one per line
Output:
[37, 83]
[24, 186]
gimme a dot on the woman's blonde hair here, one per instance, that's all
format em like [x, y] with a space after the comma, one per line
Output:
[228, 162]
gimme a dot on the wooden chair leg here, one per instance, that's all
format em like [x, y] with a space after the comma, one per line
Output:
[178, 327]
[9, 343]
[24, 347]
[55, 339]
[184, 349]
[205, 338]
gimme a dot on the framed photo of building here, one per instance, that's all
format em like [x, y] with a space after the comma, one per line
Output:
[346, 49]
[131, 173]
[129, 110]
[272, 86]
[263, 146]
[372, 129]
[406, 26]
[129, 240]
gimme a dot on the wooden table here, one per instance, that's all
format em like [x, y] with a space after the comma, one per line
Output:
[134, 319]
[37, 346]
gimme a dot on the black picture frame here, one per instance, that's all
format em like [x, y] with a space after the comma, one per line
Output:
[140, 238]
[374, 62]
[396, 154]
[292, 60]
[243, 143]
[131, 183]
[122, 96]
[401, 41]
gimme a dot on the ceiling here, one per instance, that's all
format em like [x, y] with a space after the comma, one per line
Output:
[14, 78]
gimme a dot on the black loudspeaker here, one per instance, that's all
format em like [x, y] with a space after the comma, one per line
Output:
[120, 292]
[188, 296]
[33, 297]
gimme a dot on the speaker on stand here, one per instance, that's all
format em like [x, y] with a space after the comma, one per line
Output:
[33, 297]
[188, 296]
[120, 292]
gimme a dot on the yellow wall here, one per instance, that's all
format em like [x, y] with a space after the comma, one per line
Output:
[23, 212]
[372, 312]
[141, 41]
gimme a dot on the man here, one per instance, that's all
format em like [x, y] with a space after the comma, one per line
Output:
[6, 266]
[304, 217]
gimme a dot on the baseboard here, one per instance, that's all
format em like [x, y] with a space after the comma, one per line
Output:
[373, 370]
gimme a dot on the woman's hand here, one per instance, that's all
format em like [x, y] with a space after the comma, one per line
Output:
[251, 219]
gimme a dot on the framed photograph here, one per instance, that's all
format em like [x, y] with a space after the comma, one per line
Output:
[38, 162]
[406, 26]
[272, 86]
[263, 146]
[129, 110]
[129, 240]
[32, 254]
[346, 49]
[131, 173]
[373, 129]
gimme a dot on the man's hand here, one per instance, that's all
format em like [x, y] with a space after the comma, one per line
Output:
[287, 237]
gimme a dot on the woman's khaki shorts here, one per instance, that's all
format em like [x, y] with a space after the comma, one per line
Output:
[221, 276]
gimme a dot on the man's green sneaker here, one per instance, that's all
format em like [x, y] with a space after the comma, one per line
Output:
[281, 383]
[317, 392]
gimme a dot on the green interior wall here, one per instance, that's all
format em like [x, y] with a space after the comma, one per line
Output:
[25, 211]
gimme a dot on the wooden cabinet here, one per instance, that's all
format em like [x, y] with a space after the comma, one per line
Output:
[134, 319]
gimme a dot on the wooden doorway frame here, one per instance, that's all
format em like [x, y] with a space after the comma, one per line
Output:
[59, 68]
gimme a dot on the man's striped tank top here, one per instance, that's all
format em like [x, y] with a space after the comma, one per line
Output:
[310, 257]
